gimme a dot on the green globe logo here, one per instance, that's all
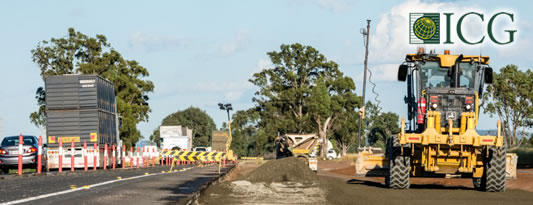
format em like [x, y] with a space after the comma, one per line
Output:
[424, 28]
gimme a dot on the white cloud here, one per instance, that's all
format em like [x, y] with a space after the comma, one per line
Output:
[240, 42]
[263, 64]
[147, 41]
[384, 72]
[335, 6]
[379, 73]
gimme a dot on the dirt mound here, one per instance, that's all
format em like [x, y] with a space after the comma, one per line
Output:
[282, 170]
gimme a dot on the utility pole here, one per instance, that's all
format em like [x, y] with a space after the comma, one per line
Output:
[366, 33]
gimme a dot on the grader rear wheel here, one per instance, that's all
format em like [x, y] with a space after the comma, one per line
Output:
[399, 165]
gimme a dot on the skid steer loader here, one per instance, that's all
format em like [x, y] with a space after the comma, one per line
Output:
[439, 139]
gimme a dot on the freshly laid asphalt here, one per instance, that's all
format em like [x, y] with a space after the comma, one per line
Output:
[160, 188]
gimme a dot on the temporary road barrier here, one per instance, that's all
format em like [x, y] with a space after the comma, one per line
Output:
[60, 165]
[114, 156]
[105, 156]
[123, 156]
[20, 155]
[84, 155]
[95, 152]
[40, 155]
[137, 157]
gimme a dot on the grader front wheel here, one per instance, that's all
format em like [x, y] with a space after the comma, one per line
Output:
[494, 177]
[399, 165]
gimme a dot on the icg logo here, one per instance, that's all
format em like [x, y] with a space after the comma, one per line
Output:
[424, 28]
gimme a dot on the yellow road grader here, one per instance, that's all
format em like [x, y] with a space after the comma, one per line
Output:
[440, 138]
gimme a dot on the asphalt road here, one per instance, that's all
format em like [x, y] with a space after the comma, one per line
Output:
[135, 186]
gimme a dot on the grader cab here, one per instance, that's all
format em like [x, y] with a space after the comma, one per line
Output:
[439, 138]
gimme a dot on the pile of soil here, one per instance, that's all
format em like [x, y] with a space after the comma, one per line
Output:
[287, 169]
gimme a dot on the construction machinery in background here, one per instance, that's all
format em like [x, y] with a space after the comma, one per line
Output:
[301, 146]
[81, 109]
[227, 148]
[440, 139]
[221, 142]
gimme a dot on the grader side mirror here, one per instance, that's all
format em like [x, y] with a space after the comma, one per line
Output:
[488, 75]
[402, 72]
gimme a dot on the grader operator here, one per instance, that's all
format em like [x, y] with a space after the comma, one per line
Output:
[440, 139]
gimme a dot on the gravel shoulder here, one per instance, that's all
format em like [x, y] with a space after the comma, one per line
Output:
[338, 185]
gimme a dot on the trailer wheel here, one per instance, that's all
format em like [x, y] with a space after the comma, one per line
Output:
[399, 165]
[494, 176]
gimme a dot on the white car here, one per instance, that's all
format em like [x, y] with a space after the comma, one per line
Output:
[332, 154]
[200, 149]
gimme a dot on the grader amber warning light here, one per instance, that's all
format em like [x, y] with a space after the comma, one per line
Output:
[439, 139]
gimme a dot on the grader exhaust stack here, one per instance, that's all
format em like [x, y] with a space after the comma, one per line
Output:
[439, 137]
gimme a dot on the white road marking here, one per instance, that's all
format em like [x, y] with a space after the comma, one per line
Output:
[74, 190]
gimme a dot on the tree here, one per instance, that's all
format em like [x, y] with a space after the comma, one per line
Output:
[303, 93]
[346, 131]
[80, 54]
[383, 126]
[510, 96]
[199, 121]
[244, 130]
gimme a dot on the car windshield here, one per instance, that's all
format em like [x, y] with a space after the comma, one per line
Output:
[12, 141]
[432, 75]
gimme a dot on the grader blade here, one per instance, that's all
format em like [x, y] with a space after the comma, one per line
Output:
[371, 162]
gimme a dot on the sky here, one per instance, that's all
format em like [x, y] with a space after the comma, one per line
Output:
[200, 53]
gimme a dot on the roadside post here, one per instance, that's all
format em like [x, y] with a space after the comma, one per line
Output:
[114, 161]
[20, 155]
[137, 158]
[94, 156]
[131, 157]
[84, 155]
[153, 157]
[40, 155]
[143, 156]
[105, 156]
[161, 160]
[72, 155]
[123, 156]
[60, 167]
